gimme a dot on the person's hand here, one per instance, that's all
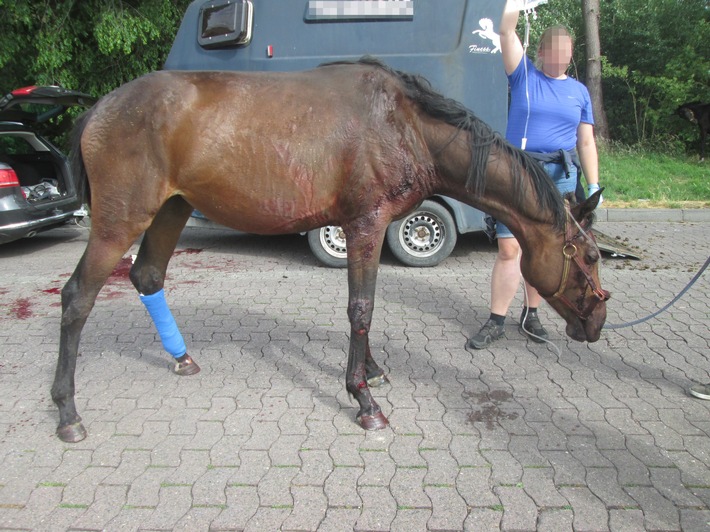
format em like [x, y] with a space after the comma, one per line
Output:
[529, 5]
[591, 189]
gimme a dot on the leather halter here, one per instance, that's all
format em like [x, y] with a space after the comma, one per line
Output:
[571, 253]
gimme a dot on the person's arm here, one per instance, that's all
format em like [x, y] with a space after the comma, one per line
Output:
[588, 157]
[511, 47]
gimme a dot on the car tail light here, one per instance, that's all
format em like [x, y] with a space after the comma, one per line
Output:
[24, 91]
[8, 177]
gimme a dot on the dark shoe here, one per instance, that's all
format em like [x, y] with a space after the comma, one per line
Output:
[532, 328]
[488, 334]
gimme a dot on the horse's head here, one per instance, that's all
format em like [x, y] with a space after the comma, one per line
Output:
[576, 292]
[686, 111]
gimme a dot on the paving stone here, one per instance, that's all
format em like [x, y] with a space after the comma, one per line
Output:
[341, 487]
[626, 519]
[274, 487]
[631, 471]
[144, 490]
[33, 513]
[483, 519]
[242, 505]
[106, 504]
[316, 466]
[588, 510]
[267, 518]
[604, 483]
[519, 510]
[558, 519]
[408, 519]
[659, 512]
[538, 483]
[339, 518]
[505, 468]
[309, 508]
[378, 508]
[407, 488]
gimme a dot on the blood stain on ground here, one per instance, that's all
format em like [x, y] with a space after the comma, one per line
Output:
[21, 308]
[106, 295]
[120, 272]
[188, 251]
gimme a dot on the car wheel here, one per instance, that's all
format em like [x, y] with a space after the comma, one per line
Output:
[328, 246]
[424, 237]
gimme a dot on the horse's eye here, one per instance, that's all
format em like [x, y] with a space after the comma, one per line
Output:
[592, 255]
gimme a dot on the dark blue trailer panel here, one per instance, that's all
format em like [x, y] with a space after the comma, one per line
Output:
[444, 40]
[452, 43]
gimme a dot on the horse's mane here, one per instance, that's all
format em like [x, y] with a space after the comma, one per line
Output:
[482, 136]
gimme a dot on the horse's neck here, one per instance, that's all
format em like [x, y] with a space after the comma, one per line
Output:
[500, 189]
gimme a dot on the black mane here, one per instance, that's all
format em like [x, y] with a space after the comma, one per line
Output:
[419, 89]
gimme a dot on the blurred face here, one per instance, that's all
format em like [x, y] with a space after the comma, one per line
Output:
[555, 52]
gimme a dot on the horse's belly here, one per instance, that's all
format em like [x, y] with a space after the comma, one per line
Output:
[277, 215]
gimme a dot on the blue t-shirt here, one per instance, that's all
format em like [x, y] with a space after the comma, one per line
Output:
[557, 107]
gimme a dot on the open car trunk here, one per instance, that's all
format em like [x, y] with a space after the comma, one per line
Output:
[40, 178]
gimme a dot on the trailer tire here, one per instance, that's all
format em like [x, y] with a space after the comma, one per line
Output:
[423, 238]
[328, 245]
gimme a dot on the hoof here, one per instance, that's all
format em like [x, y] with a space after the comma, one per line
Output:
[72, 433]
[185, 366]
[377, 380]
[376, 422]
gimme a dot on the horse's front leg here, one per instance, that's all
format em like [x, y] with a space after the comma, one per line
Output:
[363, 260]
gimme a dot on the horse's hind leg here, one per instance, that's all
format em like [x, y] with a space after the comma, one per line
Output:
[148, 277]
[78, 298]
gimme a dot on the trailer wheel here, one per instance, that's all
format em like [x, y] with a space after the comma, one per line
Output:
[423, 238]
[328, 246]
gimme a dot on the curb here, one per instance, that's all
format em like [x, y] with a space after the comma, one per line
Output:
[653, 215]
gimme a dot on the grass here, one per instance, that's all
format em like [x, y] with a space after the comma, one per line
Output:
[638, 178]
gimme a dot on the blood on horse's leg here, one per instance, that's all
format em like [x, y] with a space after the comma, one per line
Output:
[370, 415]
[169, 333]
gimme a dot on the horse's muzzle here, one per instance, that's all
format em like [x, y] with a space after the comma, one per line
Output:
[590, 328]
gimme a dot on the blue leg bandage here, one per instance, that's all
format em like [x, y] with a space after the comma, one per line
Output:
[165, 323]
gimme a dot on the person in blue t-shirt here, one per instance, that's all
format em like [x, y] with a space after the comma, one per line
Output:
[550, 117]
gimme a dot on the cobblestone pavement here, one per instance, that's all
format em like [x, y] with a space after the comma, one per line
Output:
[519, 436]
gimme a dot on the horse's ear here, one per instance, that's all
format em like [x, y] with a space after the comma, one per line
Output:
[583, 210]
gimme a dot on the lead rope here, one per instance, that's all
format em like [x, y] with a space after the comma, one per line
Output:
[612, 326]
[527, 10]
[666, 307]
[526, 43]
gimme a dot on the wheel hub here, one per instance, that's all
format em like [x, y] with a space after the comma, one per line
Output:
[333, 239]
[422, 234]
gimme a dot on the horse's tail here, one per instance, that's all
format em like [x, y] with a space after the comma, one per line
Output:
[81, 181]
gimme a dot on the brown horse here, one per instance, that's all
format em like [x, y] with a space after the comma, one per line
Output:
[350, 144]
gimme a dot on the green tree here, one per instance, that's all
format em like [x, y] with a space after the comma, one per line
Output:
[655, 55]
[92, 45]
